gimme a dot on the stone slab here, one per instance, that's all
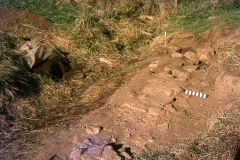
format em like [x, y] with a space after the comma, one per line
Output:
[135, 106]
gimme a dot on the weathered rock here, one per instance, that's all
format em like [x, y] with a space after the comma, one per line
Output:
[205, 83]
[135, 106]
[192, 57]
[92, 129]
[195, 82]
[87, 150]
[204, 53]
[183, 75]
[126, 155]
[155, 100]
[177, 55]
[153, 66]
[109, 154]
[78, 76]
[137, 150]
[190, 68]
[162, 127]
[170, 108]
[155, 111]
[162, 88]
[177, 71]
[183, 103]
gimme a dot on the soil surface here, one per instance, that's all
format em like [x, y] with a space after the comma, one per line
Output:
[140, 110]
[10, 17]
[152, 110]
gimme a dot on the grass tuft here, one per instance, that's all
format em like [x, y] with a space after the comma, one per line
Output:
[14, 80]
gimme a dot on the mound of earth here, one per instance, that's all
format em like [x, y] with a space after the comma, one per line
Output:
[10, 16]
[29, 25]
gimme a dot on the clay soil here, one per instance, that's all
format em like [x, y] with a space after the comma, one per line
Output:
[139, 110]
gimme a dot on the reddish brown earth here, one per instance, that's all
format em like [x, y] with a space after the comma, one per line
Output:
[149, 110]
[10, 17]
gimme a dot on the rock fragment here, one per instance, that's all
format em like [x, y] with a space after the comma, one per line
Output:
[92, 129]
[190, 68]
[135, 106]
[205, 83]
[204, 54]
[109, 154]
[162, 127]
[126, 155]
[183, 103]
[155, 111]
[177, 55]
[192, 57]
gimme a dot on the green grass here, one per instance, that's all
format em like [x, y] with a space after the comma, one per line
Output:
[202, 15]
[101, 28]
[114, 28]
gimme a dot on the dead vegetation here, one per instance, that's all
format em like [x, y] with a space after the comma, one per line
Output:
[221, 142]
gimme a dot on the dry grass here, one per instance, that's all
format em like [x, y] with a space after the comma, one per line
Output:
[14, 80]
[117, 28]
[221, 142]
[230, 50]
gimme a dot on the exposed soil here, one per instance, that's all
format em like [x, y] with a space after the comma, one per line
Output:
[10, 17]
[136, 111]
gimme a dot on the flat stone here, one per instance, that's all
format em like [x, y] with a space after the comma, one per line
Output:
[183, 75]
[205, 83]
[86, 150]
[204, 54]
[183, 103]
[192, 57]
[195, 82]
[135, 106]
[137, 150]
[155, 111]
[177, 55]
[170, 108]
[109, 154]
[179, 72]
[162, 127]
[126, 155]
[78, 76]
[154, 100]
[190, 68]
[92, 129]
[162, 88]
